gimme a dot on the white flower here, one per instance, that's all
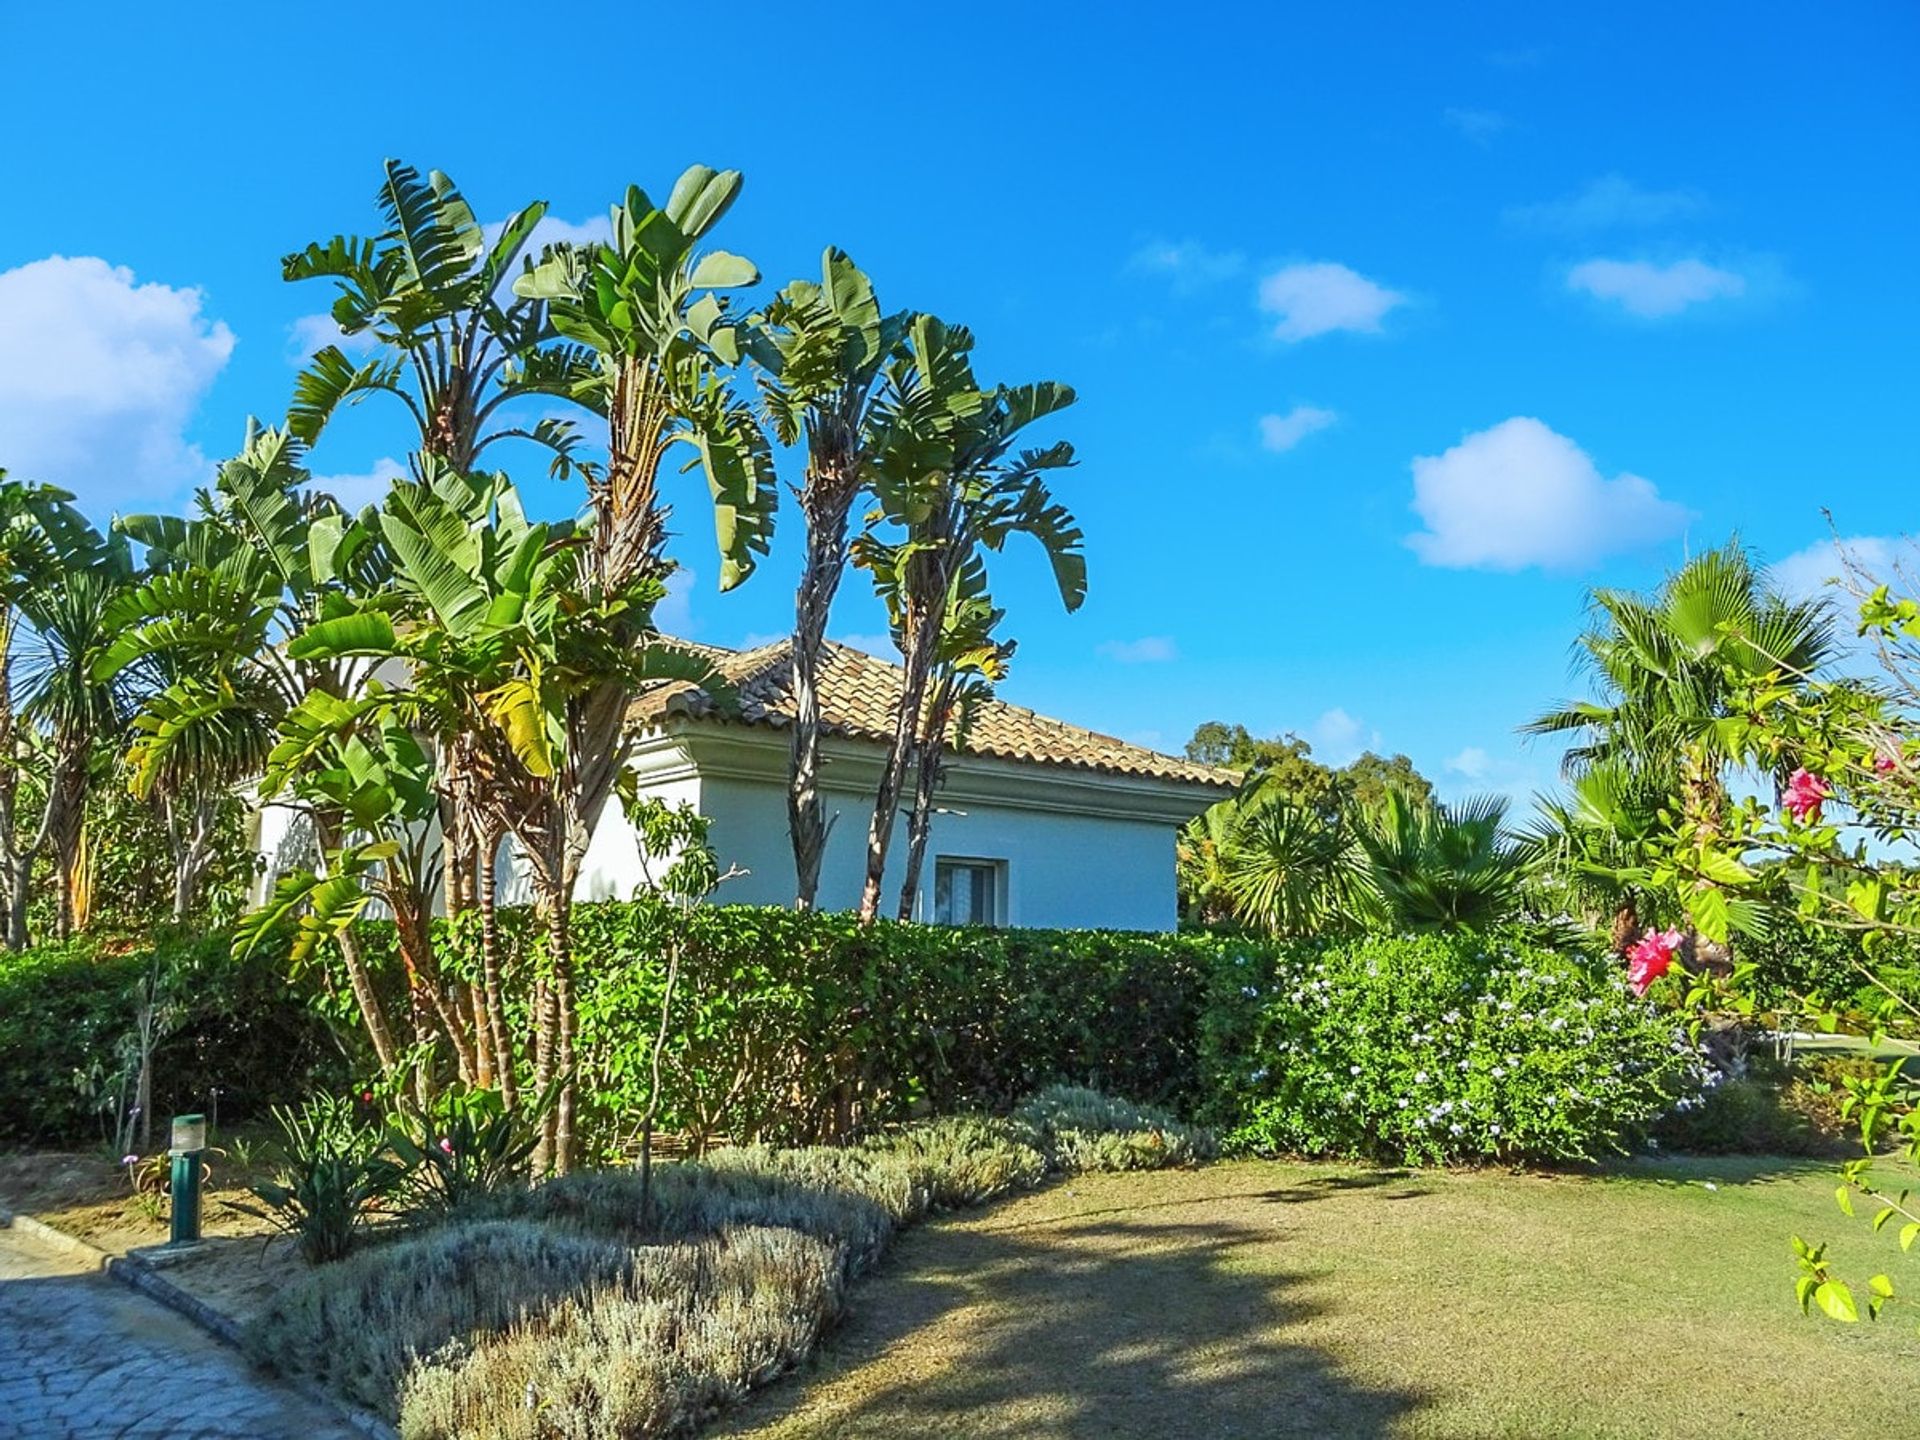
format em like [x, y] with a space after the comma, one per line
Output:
[1419, 1077]
[1498, 1073]
[1353, 1069]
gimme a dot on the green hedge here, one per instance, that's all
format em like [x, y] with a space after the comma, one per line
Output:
[791, 1028]
[234, 1036]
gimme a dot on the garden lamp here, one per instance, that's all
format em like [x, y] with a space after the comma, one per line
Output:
[189, 1141]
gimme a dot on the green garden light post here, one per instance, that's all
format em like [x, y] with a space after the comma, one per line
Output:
[189, 1141]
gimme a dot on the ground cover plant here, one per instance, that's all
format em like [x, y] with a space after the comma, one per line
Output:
[597, 1304]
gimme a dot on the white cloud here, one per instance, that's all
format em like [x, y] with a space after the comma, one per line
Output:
[367, 488]
[1518, 494]
[1472, 762]
[1608, 203]
[1479, 126]
[1280, 433]
[1653, 291]
[1339, 738]
[1812, 572]
[674, 614]
[100, 377]
[1187, 264]
[881, 645]
[1320, 297]
[1147, 650]
[310, 334]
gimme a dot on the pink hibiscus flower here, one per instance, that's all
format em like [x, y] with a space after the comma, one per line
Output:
[1806, 792]
[1651, 957]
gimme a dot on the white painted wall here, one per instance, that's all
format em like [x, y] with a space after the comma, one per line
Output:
[1062, 871]
[1079, 850]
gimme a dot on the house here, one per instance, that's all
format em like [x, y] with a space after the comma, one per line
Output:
[1039, 823]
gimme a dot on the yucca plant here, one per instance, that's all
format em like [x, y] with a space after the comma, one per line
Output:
[336, 1177]
[469, 1144]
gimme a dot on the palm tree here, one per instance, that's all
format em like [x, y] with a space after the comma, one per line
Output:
[945, 480]
[453, 344]
[1434, 866]
[823, 350]
[38, 525]
[1668, 665]
[1289, 869]
[81, 716]
[1595, 845]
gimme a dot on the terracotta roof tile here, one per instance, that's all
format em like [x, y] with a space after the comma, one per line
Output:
[858, 693]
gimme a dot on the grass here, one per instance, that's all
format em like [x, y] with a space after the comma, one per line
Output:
[1273, 1299]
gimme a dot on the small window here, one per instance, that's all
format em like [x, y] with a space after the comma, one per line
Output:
[968, 892]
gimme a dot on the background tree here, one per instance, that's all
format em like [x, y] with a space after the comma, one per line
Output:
[80, 716]
[822, 349]
[38, 526]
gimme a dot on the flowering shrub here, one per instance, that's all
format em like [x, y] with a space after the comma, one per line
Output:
[1417, 1048]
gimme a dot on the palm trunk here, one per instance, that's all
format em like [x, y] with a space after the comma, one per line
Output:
[930, 767]
[486, 896]
[359, 980]
[826, 562]
[919, 640]
[554, 1053]
[15, 869]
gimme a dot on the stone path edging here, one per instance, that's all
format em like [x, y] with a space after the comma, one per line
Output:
[138, 1274]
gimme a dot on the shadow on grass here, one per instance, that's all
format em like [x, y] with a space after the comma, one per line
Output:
[1140, 1327]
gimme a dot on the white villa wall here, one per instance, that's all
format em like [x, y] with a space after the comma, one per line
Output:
[1079, 850]
[1062, 871]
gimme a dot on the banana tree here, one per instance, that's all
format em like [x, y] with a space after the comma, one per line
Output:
[822, 349]
[501, 647]
[259, 560]
[360, 759]
[946, 480]
[453, 344]
[653, 311]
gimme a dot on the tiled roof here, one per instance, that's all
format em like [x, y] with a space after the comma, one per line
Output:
[858, 693]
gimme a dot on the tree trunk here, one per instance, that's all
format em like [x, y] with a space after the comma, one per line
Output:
[826, 562]
[326, 836]
[192, 852]
[15, 869]
[893, 774]
[486, 896]
[930, 756]
[1626, 925]
[560, 958]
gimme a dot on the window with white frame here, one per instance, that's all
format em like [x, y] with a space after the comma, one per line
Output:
[969, 892]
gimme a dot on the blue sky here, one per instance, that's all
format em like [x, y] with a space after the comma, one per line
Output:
[1395, 328]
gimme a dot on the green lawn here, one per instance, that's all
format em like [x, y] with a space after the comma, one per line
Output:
[1255, 1299]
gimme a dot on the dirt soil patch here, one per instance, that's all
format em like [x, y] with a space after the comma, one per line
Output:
[241, 1265]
